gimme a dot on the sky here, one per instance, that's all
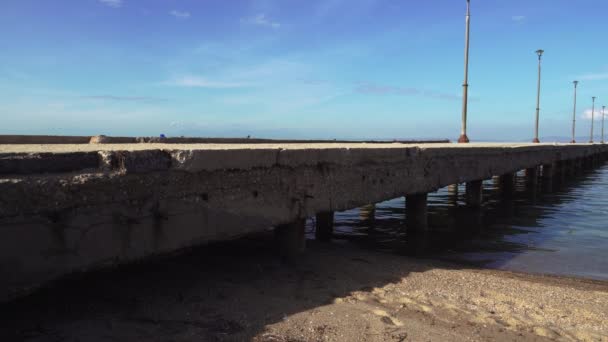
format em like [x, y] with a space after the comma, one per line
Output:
[318, 69]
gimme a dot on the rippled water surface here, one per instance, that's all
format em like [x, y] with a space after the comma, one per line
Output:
[558, 227]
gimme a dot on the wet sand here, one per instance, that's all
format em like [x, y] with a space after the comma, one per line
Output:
[240, 291]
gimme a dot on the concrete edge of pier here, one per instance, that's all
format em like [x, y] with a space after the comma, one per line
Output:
[143, 158]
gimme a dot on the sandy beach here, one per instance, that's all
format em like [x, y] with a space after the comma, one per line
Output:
[240, 291]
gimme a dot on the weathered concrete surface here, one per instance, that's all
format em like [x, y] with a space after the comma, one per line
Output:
[63, 211]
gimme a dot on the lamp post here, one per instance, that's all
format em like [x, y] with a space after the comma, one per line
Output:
[592, 119]
[603, 115]
[540, 54]
[465, 85]
[574, 115]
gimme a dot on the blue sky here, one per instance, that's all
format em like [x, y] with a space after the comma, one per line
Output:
[341, 69]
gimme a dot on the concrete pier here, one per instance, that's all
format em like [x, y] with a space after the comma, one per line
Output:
[452, 194]
[291, 239]
[416, 211]
[71, 208]
[568, 168]
[324, 226]
[561, 171]
[549, 171]
[548, 176]
[575, 166]
[367, 213]
[474, 193]
[507, 184]
[588, 162]
[532, 176]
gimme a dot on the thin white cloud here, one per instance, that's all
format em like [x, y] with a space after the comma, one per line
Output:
[261, 20]
[518, 18]
[112, 3]
[118, 98]
[594, 77]
[180, 14]
[374, 89]
[597, 116]
[192, 81]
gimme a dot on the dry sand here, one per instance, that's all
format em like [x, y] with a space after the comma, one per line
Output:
[240, 291]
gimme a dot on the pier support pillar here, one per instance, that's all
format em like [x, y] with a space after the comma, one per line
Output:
[416, 211]
[561, 170]
[368, 213]
[580, 165]
[588, 162]
[290, 238]
[532, 176]
[325, 226]
[548, 177]
[474, 193]
[570, 167]
[507, 184]
[548, 171]
[452, 198]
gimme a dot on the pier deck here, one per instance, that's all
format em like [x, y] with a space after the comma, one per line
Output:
[69, 208]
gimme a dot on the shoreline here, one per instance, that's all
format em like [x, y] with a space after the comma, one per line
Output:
[240, 291]
[524, 275]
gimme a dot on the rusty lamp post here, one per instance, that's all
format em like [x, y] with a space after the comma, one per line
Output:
[574, 115]
[603, 116]
[540, 54]
[465, 85]
[592, 119]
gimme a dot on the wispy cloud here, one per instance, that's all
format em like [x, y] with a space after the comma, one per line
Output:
[374, 89]
[597, 116]
[385, 90]
[112, 3]
[261, 20]
[124, 98]
[518, 18]
[314, 81]
[193, 81]
[180, 14]
[594, 77]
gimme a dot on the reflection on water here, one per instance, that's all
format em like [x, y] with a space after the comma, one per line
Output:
[557, 227]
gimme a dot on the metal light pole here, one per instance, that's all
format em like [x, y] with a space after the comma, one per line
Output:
[603, 110]
[592, 119]
[574, 115]
[465, 85]
[540, 54]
